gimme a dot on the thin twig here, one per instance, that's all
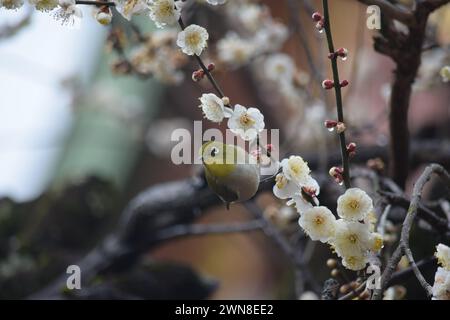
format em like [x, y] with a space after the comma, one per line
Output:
[204, 68]
[337, 89]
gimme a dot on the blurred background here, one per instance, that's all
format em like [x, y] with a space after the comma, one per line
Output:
[82, 133]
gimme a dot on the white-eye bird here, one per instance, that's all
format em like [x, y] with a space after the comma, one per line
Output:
[229, 172]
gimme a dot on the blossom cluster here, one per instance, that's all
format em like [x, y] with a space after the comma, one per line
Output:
[351, 235]
[441, 287]
[159, 57]
[259, 34]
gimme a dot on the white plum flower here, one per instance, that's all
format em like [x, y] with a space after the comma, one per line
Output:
[216, 2]
[128, 8]
[443, 256]
[356, 261]
[11, 4]
[44, 5]
[271, 37]
[234, 50]
[193, 39]
[319, 223]
[284, 188]
[164, 12]
[280, 68]
[252, 16]
[213, 108]
[296, 169]
[441, 286]
[445, 73]
[68, 13]
[354, 204]
[246, 123]
[351, 238]
[376, 242]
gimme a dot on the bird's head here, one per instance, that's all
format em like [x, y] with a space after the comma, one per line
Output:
[219, 159]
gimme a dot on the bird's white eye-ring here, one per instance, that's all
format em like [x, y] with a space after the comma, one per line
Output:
[214, 152]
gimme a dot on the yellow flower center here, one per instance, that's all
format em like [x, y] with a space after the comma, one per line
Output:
[246, 120]
[352, 260]
[378, 244]
[193, 39]
[353, 204]
[280, 69]
[281, 181]
[239, 55]
[165, 9]
[319, 220]
[353, 238]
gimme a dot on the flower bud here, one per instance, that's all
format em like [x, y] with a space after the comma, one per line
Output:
[340, 127]
[351, 147]
[335, 273]
[330, 124]
[331, 263]
[211, 67]
[328, 84]
[316, 16]
[337, 174]
[104, 16]
[198, 75]
[344, 83]
[342, 53]
[226, 101]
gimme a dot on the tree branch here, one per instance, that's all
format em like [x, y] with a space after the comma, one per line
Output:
[337, 89]
[403, 246]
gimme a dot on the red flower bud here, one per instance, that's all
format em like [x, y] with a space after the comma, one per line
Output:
[328, 84]
[330, 124]
[344, 83]
[198, 75]
[211, 67]
[342, 52]
[351, 147]
[316, 16]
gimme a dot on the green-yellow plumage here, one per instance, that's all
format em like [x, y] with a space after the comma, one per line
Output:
[229, 172]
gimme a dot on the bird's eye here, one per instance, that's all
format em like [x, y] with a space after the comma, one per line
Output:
[214, 152]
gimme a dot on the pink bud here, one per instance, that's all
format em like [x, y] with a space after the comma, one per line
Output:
[269, 147]
[328, 84]
[198, 75]
[337, 174]
[342, 52]
[330, 124]
[344, 83]
[316, 16]
[310, 191]
[211, 67]
[351, 147]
